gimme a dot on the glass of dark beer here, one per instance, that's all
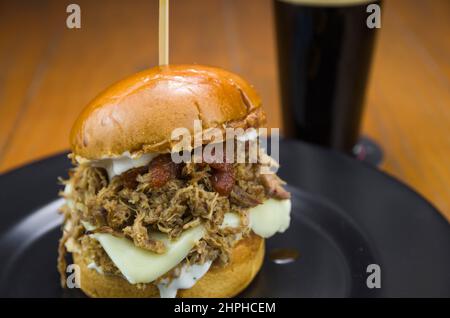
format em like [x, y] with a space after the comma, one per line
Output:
[324, 53]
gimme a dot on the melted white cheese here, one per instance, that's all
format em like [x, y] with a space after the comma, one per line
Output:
[265, 219]
[230, 220]
[270, 217]
[141, 266]
[189, 275]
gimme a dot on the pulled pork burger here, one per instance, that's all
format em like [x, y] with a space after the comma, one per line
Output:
[140, 224]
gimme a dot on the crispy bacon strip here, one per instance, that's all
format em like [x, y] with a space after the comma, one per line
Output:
[129, 178]
[160, 171]
[222, 182]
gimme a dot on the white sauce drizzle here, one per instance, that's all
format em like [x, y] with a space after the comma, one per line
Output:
[94, 266]
[115, 166]
[189, 275]
[118, 165]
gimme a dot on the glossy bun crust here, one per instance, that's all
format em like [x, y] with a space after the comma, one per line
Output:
[139, 113]
[246, 260]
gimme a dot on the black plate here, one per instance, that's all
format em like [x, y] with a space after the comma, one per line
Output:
[346, 215]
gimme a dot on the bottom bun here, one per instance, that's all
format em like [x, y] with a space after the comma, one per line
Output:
[246, 260]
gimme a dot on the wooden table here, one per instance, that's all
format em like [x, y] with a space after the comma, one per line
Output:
[48, 72]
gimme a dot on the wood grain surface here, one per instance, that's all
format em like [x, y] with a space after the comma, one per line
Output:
[48, 72]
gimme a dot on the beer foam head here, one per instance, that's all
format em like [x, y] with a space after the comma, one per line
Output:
[331, 3]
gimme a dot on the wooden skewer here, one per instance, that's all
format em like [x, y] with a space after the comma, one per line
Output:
[163, 32]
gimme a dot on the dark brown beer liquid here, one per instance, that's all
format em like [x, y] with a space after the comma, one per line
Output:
[324, 55]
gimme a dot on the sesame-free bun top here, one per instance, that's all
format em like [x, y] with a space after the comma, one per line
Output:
[139, 113]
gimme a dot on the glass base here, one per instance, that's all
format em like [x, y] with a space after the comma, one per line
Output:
[366, 150]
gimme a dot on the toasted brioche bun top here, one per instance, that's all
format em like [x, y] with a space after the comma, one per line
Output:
[139, 113]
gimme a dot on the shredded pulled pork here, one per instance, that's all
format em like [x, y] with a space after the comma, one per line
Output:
[164, 197]
[274, 186]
